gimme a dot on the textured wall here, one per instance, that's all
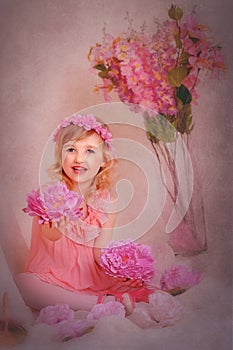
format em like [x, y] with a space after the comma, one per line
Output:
[45, 77]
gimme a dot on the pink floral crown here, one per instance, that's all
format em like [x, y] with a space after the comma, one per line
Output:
[88, 122]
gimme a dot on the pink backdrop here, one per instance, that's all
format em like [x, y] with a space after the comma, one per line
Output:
[45, 77]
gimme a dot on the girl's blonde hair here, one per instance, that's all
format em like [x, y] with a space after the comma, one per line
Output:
[106, 177]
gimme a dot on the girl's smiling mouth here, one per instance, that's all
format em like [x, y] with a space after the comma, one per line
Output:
[79, 169]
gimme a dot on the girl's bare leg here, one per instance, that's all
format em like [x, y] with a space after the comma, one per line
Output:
[38, 294]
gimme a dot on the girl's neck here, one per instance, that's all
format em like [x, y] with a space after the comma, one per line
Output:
[82, 189]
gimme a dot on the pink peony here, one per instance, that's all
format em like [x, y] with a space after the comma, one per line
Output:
[178, 279]
[59, 201]
[73, 328]
[165, 309]
[128, 259]
[36, 206]
[102, 310]
[53, 202]
[54, 314]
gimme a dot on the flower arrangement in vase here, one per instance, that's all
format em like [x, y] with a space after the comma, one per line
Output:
[158, 74]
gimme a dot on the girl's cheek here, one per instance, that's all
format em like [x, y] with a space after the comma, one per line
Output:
[67, 157]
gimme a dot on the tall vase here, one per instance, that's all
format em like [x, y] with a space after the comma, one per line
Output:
[183, 213]
[190, 236]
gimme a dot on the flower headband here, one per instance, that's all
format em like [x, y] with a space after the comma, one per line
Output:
[88, 122]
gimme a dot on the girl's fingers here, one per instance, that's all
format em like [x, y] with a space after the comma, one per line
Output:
[54, 223]
[61, 222]
[45, 225]
[133, 283]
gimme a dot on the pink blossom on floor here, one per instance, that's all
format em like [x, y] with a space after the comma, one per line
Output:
[128, 259]
[108, 309]
[165, 309]
[73, 328]
[178, 279]
[54, 314]
[141, 316]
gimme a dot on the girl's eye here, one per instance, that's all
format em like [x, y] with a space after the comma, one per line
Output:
[70, 150]
[90, 151]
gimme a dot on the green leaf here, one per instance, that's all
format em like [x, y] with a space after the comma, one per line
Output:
[187, 110]
[101, 67]
[176, 75]
[175, 13]
[185, 123]
[184, 58]
[194, 40]
[179, 104]
[104, 74]
[175, 123]
[183, 94]
[160, 129]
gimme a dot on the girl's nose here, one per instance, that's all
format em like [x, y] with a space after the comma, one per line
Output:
[80, 157]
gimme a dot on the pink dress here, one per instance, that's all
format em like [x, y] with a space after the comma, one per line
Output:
[69, 261]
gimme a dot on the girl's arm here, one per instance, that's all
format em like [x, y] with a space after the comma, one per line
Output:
[104, 237]
[52, 231]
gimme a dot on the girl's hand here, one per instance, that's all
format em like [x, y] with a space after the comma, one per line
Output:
[126, 283]
[51, 230]
[132, 283]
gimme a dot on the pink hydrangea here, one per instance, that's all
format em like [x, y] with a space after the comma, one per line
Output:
[128, 259]
[53, 202]
[178, 279]
[164, 308]
[108, 309]
[55, 314]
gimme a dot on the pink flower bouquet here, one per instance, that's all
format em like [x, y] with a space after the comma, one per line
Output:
[128, 259]
[53, 202]
[178, 279]
[159, 71]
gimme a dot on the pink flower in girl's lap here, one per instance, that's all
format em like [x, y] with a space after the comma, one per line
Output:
[55, 314]
[178, 279]
[128, 259]
[111, 308]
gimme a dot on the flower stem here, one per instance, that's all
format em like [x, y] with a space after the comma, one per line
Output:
[161, 173]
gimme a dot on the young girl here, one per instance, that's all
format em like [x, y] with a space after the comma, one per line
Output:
[63, 268]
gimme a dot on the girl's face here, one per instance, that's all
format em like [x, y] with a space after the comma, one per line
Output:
[82, 160]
